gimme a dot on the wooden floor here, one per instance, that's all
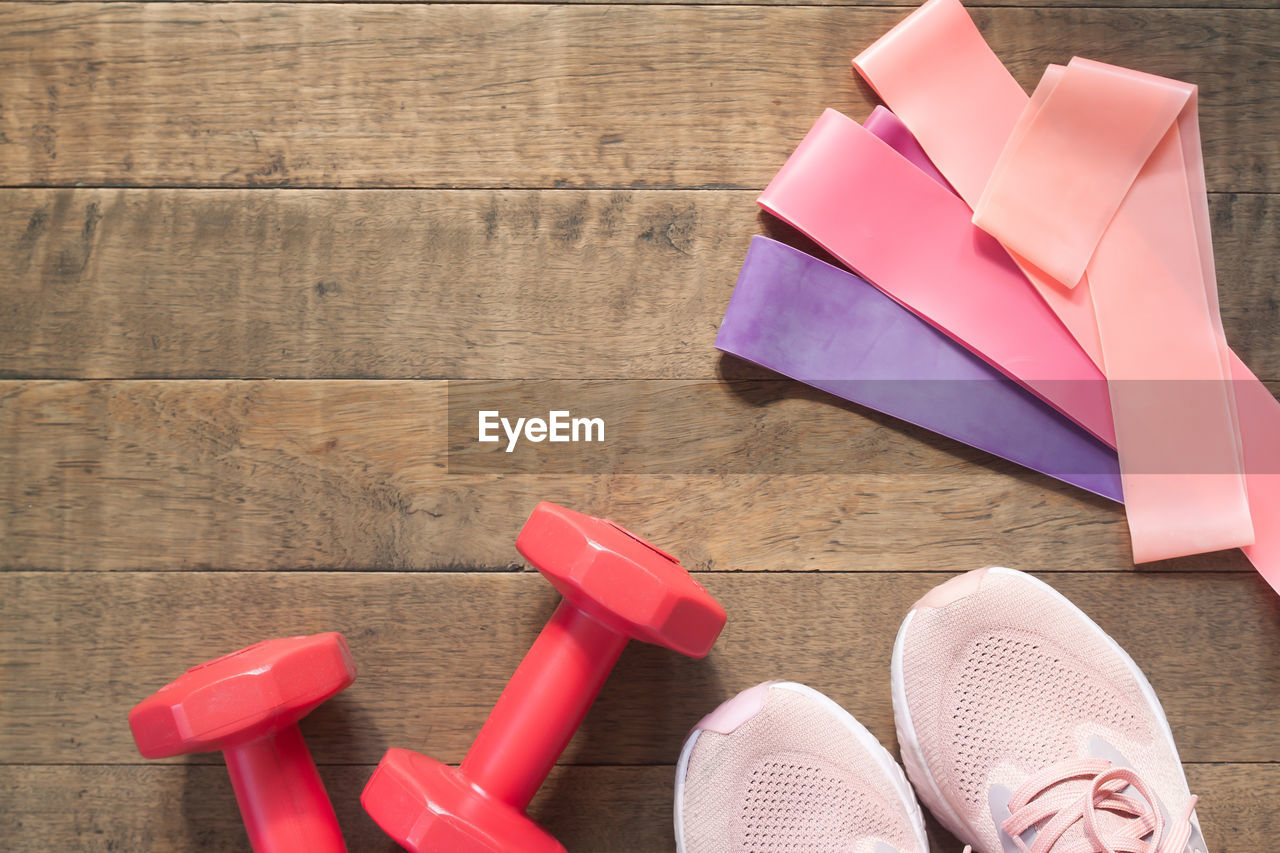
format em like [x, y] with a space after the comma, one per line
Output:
[244, 247]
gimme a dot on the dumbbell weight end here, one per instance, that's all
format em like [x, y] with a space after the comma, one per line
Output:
[246, 705]
[281, 797]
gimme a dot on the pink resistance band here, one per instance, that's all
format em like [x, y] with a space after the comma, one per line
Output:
[938, 75]
[942, 79]
[911, 237]
[1109, 159]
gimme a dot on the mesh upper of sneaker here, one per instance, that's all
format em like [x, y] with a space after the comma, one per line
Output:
[1008, 680]
[792, 778]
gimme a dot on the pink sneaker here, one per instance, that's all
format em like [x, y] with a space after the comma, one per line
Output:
[1026, 729]
[780, 768]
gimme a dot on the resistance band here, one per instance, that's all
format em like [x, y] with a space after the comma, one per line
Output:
[890, 130]
[947, 86]
[1258, 409]
[1109, 160]
[938, 75]
[913, 238]
[806, 319]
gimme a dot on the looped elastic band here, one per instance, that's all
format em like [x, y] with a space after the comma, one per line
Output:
[911, 237]
[806, 319]
[1096, 186]
[890, 130]
[1103, 173]
[936, 72]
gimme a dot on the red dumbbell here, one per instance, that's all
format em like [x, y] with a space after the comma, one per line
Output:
[247, 704]
[616, 587]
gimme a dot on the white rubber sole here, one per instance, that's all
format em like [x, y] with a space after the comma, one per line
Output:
[866, 739]
[912, 756]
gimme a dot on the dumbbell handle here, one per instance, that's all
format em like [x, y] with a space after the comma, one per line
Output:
[542, 705]
[282, 800]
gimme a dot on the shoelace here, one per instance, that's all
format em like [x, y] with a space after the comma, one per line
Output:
[1042, 798]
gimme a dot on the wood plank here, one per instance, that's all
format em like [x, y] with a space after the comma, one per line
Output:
[155, 475]
[456, 284]
[1165, 4]
[434, 651]
[193, 808]
[589, 809]
[528, 95]
[369, 284]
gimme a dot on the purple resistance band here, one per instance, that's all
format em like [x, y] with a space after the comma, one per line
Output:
[828, 328]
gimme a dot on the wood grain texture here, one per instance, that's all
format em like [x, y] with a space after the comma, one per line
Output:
[451, 284]
[1035, 4]
[590, 809]
[194, 194]
[167, 475]
[434, 651]
[92, 809]
[350, 95]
